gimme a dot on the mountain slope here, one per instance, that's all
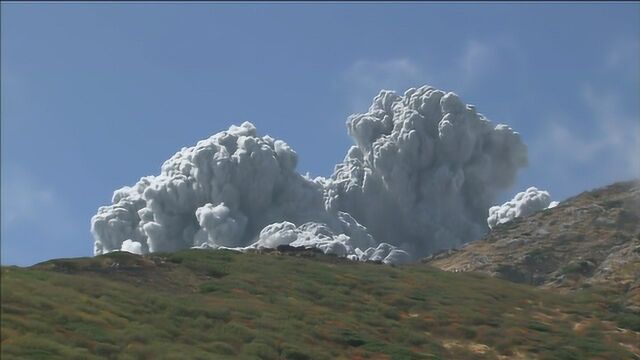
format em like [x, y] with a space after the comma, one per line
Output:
[592, 238]
[205, 304]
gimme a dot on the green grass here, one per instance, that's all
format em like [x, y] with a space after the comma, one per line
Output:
[200, 304]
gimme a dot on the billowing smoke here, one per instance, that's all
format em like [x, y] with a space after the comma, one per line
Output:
[132, 247]
[227, 191]
[523, 204]
[313, 234]
[221, 192]
[423, 172]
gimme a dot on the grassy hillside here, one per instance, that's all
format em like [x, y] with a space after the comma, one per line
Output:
[200, 304]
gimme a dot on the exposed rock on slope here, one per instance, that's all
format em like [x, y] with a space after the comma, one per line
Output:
[591, 238]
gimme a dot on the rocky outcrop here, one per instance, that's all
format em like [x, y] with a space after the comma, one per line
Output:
[591, 238]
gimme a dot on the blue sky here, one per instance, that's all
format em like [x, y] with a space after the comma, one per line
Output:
[96, 95]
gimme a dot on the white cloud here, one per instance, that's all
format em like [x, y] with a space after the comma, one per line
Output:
[618, 130]
[365, 78]
[375, 74]
[477, 59]
[624, 54]
[28, 202]
[609, 138]
[23, 198]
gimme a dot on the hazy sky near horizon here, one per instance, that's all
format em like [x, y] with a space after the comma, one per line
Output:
[97, 95]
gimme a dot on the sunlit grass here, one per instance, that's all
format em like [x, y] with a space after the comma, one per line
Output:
[218, 304]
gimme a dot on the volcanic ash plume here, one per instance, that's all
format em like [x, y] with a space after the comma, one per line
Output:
[523, 204]
[423, 172]
[221, 192]
[227, 191]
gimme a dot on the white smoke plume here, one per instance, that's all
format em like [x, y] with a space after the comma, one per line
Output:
[227, 191]
[423, 172]
[313, 234]
[132, 247]
[523, 204]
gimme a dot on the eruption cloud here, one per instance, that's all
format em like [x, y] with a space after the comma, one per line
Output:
[523, 204]
[423, 172]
